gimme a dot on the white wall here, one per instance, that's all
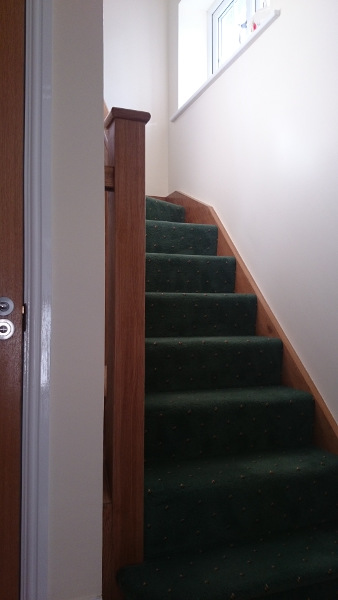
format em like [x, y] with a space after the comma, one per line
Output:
[261, 146]
[136, 74]
[192, 47]
[77, 302]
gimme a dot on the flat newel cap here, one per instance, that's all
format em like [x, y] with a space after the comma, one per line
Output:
[127, 114]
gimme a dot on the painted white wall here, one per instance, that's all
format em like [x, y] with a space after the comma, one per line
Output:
[136, 74]
[77, 357]
[192, 47]
[261, 146]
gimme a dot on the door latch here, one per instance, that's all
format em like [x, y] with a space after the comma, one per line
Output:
[6, 329]
[6, 306]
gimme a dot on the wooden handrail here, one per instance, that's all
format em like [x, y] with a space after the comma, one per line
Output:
[125, 340]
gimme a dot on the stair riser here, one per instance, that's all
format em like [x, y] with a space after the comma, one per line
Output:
[169, 273]
[326, 590]
[181, 238]
[298, 567]
[185, 363]
[186, 429]
[199, 514]
[200, 315]
[159, 210]
[318, 591]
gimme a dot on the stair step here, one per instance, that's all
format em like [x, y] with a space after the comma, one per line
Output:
[177, 314]
[182, 273]
[239, 504]
[187, 363]
[181, 238]
[159, 210]
[302, 565]
[191, 505]
[185, 425]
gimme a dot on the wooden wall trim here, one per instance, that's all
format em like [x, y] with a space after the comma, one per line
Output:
[294, 372]
[125, 343]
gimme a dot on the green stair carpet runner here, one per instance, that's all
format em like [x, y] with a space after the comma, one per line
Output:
[239, 503]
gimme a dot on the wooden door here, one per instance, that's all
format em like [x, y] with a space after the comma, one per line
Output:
[12, 27]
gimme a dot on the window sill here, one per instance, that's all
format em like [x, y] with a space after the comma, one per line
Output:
[250, 40]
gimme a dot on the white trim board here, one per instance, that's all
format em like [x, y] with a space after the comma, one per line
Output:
[37, 273]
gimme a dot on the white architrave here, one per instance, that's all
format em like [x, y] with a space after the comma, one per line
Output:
[37, 269]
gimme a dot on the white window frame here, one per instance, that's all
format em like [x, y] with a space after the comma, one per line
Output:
[217, 11]
[260, 22]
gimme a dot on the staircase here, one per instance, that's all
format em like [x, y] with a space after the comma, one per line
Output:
[239, 503]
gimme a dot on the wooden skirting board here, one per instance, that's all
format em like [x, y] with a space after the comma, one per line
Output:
[294, 373]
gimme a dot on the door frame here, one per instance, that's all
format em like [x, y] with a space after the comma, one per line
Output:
[37, 293]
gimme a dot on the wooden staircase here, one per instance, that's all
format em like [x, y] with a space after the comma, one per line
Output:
[125, 340]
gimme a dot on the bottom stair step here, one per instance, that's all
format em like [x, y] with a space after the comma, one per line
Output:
[196, 505]
[297, 566]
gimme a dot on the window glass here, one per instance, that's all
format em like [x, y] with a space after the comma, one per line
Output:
[231, 23]
[210, 34]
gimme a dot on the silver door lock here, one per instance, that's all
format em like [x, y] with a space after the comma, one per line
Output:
[6, 306]
[6, 329]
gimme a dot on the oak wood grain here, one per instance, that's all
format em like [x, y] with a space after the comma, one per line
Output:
[109, 178]
[125, 340]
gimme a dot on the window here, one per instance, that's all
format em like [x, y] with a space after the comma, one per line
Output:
[211, 35]
[231, 22]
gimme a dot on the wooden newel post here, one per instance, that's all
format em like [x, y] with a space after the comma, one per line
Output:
[125, 334]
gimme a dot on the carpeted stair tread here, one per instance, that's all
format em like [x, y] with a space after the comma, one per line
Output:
[239, 504]
[178, 314]
[159, 210]
[184, 425]
[193, 273]
[195, 504]
[212, 362]
[181, 238]
[301, 565]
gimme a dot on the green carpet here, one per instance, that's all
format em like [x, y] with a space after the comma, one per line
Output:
[181, 238]
[201, 274]
[239, 504]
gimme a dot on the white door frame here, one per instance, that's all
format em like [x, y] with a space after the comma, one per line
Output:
[37, 270]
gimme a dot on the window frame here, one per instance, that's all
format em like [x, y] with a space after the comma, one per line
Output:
[218, 10]
[263, 20]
